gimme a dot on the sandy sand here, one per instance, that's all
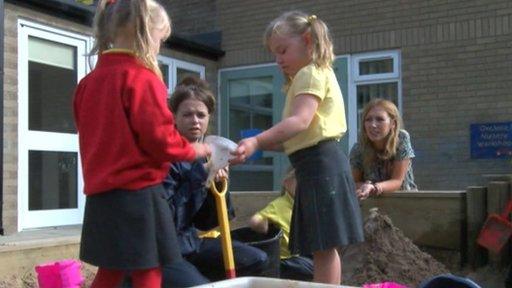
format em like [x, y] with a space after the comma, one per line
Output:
[386, 255]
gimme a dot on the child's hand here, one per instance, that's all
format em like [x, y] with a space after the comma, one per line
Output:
[202, 150]
[258, 224]
[245, 149]
[222, 174]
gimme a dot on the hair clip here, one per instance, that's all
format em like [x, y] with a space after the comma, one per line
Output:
[311, 19]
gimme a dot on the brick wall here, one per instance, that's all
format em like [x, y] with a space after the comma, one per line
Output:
[456, 70]
[192, 16]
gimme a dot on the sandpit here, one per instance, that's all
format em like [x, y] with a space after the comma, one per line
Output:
[386, 255]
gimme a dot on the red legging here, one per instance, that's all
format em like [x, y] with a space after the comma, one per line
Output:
[110, 278]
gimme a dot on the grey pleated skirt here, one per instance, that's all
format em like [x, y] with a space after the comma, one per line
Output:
[326, 211]
[129, 230]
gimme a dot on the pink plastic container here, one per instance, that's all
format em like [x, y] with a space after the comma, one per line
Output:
[60, 274]
[384, 285]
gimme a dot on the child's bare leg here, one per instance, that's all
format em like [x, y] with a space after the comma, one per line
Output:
[327, 267]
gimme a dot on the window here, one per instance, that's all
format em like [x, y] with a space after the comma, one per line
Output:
[50, 64]
[374, 75]
[52, 79]
[174, 71]
[250, 105]
[251, 101]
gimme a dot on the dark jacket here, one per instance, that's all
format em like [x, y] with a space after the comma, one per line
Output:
[192, 204]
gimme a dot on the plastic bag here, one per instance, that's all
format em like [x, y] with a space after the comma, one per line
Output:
[221, 154]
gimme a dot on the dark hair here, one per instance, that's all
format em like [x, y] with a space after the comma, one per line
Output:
[192, 87]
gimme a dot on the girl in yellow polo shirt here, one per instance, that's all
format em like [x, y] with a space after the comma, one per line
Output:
[326, 213]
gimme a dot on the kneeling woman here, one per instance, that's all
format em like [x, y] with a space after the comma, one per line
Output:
[194, 207]
[381, 161]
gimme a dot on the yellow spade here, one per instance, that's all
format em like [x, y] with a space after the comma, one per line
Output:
[225, 234]
[221, 148]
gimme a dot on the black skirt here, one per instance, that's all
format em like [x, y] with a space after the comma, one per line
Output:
[326, 211]
[129, 230]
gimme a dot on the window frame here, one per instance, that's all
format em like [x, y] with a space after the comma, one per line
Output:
[33, 140]
[375, 56]
[249, 71]
[356, 79]
[173, 66]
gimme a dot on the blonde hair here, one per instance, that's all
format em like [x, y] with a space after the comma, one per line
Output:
[370, 155]
[138, 17]
[296, 23]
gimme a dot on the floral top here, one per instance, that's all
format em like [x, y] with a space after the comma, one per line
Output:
[382, 169]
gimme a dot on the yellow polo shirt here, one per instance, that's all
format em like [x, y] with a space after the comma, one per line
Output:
[329, 119]
[279, 212]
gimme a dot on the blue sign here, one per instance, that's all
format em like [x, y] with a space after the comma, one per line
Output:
[491, 140]
[246, 133]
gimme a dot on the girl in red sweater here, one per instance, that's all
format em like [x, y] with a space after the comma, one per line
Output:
[127, 142]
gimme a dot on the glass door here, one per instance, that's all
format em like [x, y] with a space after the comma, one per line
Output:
[252, 101]
[50, 64]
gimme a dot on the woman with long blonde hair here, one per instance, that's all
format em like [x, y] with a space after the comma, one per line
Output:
[381, 161]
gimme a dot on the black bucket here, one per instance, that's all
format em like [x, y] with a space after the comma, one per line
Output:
[269, 243]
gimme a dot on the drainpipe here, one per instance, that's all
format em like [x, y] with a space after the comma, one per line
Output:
[1, 115]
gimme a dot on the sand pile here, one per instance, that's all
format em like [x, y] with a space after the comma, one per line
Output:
[387, 255]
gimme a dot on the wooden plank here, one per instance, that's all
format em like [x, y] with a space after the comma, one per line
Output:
[498, 177]
[498, 194]
[248, 203]
[476, 211]
[433, 218]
